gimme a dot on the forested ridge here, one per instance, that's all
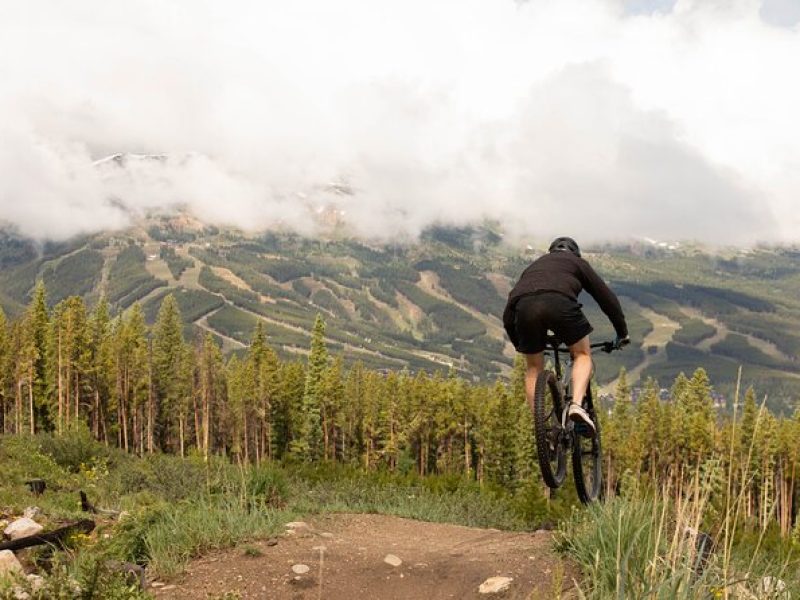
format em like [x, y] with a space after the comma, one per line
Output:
[148, 390]
[429, 303]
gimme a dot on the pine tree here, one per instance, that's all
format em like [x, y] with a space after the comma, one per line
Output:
[26, 359]
[370, 423]
[701, 424]
[264, 363]
[308, 444]
[351, 417]
[131, 381]
[168, 357]
[209, 376]
[237, 424]
[500, 451]
[623, 451]
[649, 427]
[39, 318]
[33, 355]
[288, 411]
[331, 408]
[100, 365]
[525, 468]
[68, 361]
[679, 441]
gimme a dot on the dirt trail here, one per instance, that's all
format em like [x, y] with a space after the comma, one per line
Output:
[228, 343]
[345, 554]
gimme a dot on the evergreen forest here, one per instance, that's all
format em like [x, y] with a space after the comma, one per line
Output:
[148, 390]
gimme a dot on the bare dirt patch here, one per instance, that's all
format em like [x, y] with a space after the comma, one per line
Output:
[346, 556]
[240, 283]
[155, 265]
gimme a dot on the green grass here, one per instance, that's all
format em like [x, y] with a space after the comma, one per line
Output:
[639, 548]
[438, 499]
[172, 534]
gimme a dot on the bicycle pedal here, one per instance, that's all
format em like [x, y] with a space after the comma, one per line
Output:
[584, 430]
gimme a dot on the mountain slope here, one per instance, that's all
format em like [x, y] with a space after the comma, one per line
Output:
[431, 305]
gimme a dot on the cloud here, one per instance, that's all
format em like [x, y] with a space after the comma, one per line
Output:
[550, 116]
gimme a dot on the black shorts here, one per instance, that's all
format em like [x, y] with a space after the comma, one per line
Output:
[560, 314]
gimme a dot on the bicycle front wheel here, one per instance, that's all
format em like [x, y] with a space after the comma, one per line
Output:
[587, 463]
[547, 408]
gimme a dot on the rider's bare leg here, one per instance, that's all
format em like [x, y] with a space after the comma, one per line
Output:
[581, 368]
[534, 366]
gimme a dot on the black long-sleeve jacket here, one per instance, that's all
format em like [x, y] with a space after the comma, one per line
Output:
[567, 274]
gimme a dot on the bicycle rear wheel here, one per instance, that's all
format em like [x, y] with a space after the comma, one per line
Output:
[587, 462]
[547, 427]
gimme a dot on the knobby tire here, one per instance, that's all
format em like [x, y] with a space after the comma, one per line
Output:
[587, 462]
[547, 411]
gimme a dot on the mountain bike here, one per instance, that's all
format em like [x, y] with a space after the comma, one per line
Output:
[556, 435]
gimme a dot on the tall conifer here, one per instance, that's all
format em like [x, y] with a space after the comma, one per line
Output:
[308, 444]
[168, 350]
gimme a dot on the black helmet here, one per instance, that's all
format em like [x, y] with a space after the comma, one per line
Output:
[565, 244]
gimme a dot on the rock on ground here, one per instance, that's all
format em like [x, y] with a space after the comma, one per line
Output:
[300, 569]
[36, 581]
[495, 585]
[9, 563]
[393, 560]
[32, 512]
[22, 528]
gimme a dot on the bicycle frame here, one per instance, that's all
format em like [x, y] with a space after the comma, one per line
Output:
[557, 435]
[564, 373]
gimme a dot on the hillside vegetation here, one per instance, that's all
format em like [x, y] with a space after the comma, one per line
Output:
[435, 303]
[82, 395]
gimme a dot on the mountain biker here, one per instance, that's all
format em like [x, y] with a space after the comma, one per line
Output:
[546, 298]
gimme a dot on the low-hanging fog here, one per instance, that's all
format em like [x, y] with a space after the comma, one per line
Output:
[602, 119]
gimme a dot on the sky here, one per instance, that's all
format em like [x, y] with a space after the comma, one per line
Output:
[600, 119]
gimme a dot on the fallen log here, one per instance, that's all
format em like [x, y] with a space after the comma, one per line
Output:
[55, 537]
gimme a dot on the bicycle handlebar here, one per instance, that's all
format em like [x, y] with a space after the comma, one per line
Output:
[607, 347]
